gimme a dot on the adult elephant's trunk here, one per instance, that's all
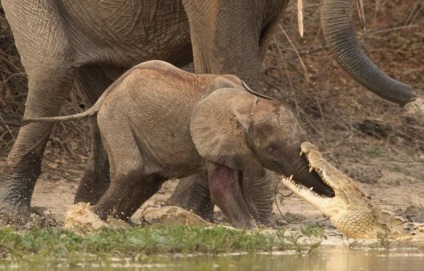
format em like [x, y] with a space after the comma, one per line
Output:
[336, 21]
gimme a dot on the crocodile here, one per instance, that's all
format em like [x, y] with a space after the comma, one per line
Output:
[350, 210]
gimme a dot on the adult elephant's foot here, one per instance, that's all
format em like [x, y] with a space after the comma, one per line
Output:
[16, 189]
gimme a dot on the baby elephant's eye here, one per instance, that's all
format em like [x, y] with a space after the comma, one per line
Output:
[272, 150]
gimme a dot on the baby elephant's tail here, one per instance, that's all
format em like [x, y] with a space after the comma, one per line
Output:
[88, 113]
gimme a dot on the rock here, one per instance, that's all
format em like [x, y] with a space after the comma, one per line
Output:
[173, 215]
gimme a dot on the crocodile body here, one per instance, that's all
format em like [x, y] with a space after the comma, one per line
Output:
[350, 210]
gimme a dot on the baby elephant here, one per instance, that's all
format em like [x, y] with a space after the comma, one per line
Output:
[159, 122]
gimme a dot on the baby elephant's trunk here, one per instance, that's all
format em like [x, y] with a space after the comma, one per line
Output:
[298, 167]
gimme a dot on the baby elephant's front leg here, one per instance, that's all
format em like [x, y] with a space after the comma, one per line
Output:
[226, 193]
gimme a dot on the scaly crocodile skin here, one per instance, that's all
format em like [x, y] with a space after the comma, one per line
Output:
[350, 211]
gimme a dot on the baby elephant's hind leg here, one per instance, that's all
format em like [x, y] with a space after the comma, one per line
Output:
[126, 194]
[146, 187]
[126, 179]
[130, 186]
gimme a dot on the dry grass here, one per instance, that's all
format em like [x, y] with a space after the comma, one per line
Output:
[13, 85]
[334, 109]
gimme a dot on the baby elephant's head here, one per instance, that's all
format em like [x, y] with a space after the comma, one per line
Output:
[249, 133]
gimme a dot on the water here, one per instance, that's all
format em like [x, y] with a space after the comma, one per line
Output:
[321, 260]
[324, 260]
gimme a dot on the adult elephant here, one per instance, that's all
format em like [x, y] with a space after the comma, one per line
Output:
[91, 43]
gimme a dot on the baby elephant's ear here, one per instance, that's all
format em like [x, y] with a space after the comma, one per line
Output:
[219, 126]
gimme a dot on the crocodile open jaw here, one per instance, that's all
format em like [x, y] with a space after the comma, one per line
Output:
[350, 211]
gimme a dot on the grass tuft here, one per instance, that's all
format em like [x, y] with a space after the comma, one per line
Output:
[53, 247]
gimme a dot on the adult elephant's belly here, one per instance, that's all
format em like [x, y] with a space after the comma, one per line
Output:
[126, 32]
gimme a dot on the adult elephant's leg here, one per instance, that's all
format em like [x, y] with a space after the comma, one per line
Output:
[226, 38]
[192, 193]
[48, 87]
[92, 81]
[46, 54]
[221, 44]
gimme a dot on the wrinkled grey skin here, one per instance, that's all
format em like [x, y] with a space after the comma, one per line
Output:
[91, 43]
[159, 122]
